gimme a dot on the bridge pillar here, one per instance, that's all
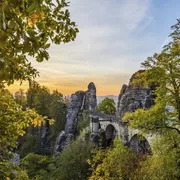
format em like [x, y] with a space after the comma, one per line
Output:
[95, 125]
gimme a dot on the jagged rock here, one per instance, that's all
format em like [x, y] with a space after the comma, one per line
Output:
[61, 143]
[99, 138]
[90, 101]
[95, 137]
[148, 101]
[79, 101]
[133, 97]
[44, 145]
[74, 107]
[72, 112]
[123, 89]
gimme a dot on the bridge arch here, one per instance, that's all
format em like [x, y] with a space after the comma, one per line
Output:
[140, 144]
[110, 134]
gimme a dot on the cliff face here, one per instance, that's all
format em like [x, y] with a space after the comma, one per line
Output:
[74, 106]
[90, 101]
[133, 97]
[79, 101]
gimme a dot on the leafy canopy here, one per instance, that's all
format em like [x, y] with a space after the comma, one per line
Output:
[107, 105]
[113, 163]
[14, 122]
[27, 29]
[46, 103]
[163, 71]
[72, 161]
[165, 160]
[37, 166]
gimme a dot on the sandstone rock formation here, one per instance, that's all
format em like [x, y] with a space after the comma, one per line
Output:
[61, 143]
[79, 101]
[72, 112]
[132, 97]
[90, 101]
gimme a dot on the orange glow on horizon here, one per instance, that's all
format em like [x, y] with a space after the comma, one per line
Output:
[101, 90]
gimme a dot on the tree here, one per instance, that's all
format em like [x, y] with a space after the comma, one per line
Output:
[163, 71]
[58, 113]
[107, 105]
[37, 166]
[20, 98]
[46, 104]
[163, 118]
[72, 161]
[83, 120]
[31, 93]
[164, 163]
[27, 29]
[42, 101]
[14, 122]
[113, 163]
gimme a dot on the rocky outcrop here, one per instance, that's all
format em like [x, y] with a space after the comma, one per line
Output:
[123, 89]
[133, 97]
[74, 107]
[61, 143]
[90, 101]
[79, 101]
[72, 112]
[44, 147]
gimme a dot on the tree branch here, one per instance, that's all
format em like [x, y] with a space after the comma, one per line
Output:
[169, 127]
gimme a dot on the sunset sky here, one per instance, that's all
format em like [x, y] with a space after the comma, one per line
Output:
[115, 37]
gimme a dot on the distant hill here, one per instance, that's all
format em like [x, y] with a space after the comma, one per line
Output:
[100, 98]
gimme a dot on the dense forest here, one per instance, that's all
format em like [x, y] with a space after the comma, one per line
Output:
[31, 120]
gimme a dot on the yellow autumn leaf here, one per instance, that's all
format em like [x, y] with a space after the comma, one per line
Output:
[51, 121]
[37, 121]
[33, 19]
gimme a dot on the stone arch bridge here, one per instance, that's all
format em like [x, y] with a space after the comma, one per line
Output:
[113, 127]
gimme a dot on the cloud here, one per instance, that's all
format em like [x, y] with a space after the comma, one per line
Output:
[107, 50]
[108, 30]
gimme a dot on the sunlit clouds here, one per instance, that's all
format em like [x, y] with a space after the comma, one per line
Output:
[115, 37]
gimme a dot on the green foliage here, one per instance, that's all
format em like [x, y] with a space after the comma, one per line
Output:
[26, 29]
[163, 118]
[83, 121]
[165, 161]
[34, 87]
[153, 119]
[14, 122]
[39, 98]
[21, 175]
[162, 71]
[107, 105]
[113, 163]
[47, 104]
[44, 102]
[72, 161]
[20, 98]
[29, 142]
[12, 172]
[57, 111]
[37, 166]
